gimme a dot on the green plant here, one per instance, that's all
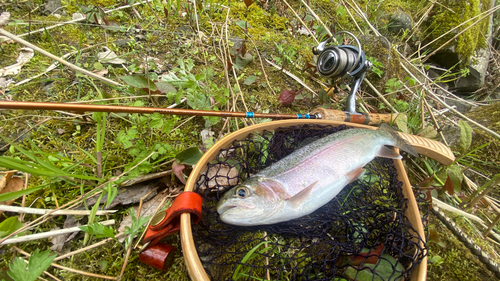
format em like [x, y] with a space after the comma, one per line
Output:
[136, 227]
[38, 262]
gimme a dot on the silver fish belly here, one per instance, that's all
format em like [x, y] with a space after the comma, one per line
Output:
[308, 178]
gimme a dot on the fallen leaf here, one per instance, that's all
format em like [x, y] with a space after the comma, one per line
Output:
[108, 56]
[248, 3]
[287, 97]
[177, 170]
[5, 179]
[57, 241]
[14, 184]
[4, 18]
[129, 195]
[449, 186]
[250, 80]
[25, 55]
[101, 72]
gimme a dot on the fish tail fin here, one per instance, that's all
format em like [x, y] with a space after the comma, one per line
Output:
[400, 142]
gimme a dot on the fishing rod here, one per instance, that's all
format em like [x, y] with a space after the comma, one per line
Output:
[345, 61]
[319, 113]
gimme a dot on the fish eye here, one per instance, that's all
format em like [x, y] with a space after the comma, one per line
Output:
[242, 192]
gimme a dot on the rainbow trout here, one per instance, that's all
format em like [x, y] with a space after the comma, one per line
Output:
[308, 178]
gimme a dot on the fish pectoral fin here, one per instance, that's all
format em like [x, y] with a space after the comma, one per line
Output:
[388, 153]
[302, 195]
[356, 174]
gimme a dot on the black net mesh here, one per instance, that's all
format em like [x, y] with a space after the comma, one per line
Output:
[362, 234]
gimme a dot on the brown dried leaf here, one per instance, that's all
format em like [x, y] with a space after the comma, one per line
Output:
[14, 184]
[287, 97]
[449, 186]
[177, 170]
[248, 2]
[5, 180]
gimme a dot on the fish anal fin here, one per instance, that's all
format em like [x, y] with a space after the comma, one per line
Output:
[356, 174]
[302, 195]
[388, 153]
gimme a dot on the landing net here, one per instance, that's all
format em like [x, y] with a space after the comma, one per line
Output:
[361, 234]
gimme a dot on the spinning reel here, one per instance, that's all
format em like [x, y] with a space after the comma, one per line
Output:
[344, 61]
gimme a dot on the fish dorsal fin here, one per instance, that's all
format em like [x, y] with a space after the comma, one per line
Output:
[388, 153]
[356, 174]
[302, 195]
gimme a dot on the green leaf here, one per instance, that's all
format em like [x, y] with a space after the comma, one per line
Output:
[24, 166]
[98, 230]
[165, 87]
[465, 135]
[139, 82]
[242, 61]
[112, 192]
[250, 80]
[189, 156]
[429, 132]
[402, 122]
[454, 173]
[243, 24]
[9, 225]
[37, 263]
[16, 194]
[135, 227]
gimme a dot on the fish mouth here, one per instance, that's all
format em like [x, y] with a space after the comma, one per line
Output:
[222, 209]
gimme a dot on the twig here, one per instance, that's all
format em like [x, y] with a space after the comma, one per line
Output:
[68, 64]
[69, 268]
[262, 66]
[48, 234]
[26, 210]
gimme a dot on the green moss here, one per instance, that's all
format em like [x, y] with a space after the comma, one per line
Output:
[458, 263]
[453, 14]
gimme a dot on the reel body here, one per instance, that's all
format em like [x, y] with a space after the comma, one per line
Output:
[343, 61]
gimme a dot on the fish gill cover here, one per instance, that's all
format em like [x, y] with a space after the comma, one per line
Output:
[361, 234]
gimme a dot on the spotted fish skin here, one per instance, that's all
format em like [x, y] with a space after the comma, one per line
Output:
[308, 178]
